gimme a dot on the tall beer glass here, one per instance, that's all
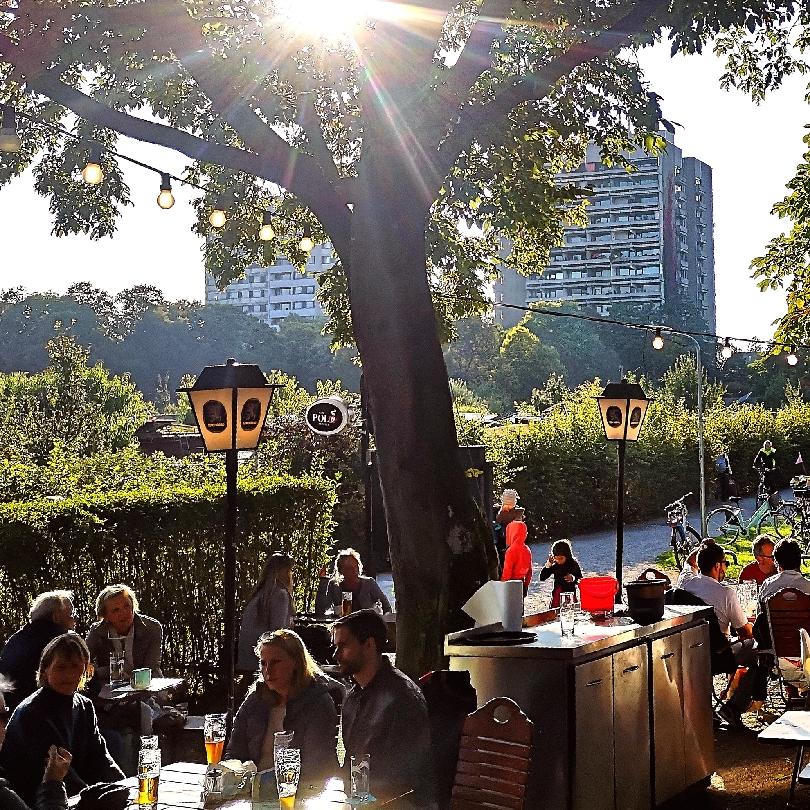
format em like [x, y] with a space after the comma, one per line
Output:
[214, 737]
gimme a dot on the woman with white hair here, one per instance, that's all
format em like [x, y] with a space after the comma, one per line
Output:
[366, 593]
[51, 614]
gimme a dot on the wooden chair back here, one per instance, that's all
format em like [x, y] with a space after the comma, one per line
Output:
[493, 758]
[788, 610]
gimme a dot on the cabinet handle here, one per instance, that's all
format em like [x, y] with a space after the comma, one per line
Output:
[695, 646]
[594, 683]
[630, 669]
[667, 655]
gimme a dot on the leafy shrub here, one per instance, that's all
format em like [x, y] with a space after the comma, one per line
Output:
[167, 542]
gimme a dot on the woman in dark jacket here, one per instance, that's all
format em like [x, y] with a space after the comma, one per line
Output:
[57, 715]
[292, 695]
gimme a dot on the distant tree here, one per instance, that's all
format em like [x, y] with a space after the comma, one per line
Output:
[79, 408]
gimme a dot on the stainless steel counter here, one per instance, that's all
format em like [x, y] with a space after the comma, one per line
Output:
[622, 712]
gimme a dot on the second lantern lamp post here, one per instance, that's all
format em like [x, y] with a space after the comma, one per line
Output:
[622, 407]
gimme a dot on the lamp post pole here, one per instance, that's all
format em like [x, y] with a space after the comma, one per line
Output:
[231, 468]
[699, 373]
[622, 446]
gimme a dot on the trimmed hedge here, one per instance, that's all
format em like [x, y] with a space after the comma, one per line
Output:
[167, 543]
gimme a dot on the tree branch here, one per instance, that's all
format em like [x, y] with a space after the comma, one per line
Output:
[485, 121]
[273, 165]
[310, 122]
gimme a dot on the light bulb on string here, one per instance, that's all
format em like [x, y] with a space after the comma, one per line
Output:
[266, 232]
[306, 244]
[792, 358]
[9, 139]
[165, 199]
[217, 218]
[92, 173]
[658, 340]
[727, 350]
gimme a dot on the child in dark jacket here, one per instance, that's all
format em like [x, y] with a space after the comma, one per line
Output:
[562, 565]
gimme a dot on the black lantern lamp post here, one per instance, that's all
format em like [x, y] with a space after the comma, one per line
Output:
[622, 407]
[230, 405]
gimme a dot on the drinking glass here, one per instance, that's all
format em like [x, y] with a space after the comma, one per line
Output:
[281, 739]
[148, 776]
[360, 767]
[149, 742]
[568, 613]
[117, 668]
[346, 603]
[288, 772]
[214, 737]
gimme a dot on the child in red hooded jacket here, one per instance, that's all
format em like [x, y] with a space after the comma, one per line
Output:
[517, 563]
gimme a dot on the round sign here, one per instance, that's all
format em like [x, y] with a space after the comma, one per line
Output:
[327, 416]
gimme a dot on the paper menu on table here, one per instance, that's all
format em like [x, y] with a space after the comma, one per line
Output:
[497, 602]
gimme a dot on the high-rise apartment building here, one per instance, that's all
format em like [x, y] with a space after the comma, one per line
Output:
[276, 292]
[649, 238]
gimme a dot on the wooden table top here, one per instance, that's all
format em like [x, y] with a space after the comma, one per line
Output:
[791, 727]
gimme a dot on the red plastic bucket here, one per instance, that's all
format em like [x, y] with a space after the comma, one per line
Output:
[597, 594]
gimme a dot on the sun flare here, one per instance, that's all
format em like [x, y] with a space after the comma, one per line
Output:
[330, 18]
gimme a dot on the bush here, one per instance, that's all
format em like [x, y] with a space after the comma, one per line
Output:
[167, 543]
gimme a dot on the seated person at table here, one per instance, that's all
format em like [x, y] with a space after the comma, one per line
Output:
[117, 611]
[349, 577]
[56, 714]
[270, 607]
[384, 713]
[50, 792]
[708, 585]
[50, 615]
[788, 556]
[763, 565]
[292, 694]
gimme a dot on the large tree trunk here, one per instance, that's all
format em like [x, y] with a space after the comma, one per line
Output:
[440, 548]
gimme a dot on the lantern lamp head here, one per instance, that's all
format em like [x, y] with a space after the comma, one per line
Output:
[623, 407]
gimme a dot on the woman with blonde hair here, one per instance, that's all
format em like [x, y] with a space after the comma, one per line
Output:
[366, 593]
[292, 694]
[270, 607]
[56, 714]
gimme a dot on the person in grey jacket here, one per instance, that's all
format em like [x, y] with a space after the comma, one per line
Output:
[270, 607]
[349, 577]
[292, 695]
[118, 618]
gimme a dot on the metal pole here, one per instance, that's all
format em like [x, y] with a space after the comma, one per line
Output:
[620, 519]
[371, 562]
[231, 466]
[699, 373]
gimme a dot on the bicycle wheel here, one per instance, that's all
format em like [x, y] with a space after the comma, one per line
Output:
[722, 522]
[781, 522]
[683, 548]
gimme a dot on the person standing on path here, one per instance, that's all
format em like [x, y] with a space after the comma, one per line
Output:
[517, 563]
[563, 566]
[508, 511]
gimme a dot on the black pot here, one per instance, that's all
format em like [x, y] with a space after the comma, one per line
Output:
[645, 600]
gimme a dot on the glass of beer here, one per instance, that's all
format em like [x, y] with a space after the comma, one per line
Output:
[288, 772]
[148, 776]
[346, 603]
[214, 737]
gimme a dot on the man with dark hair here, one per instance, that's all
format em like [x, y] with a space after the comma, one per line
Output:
[384, 713]
[708, 585]
[763, 565]
[50, 615]
[788, 556]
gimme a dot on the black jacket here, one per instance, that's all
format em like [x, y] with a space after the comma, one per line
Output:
[19, 660]
[48, 718]
[50, 796]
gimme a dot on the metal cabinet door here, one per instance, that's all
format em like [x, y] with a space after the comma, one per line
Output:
[592, 773]
[697, 704]
[667, 708]
[631, 729]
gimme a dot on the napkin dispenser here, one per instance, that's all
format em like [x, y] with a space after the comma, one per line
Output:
[497, 602]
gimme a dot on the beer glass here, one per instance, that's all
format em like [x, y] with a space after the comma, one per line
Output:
[214, 730]
[288, 772]
[568, 613]
[148, 776]
[346, 604]
[360, 777]
[281, 739]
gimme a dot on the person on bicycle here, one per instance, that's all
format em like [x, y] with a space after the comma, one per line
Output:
[765, 465]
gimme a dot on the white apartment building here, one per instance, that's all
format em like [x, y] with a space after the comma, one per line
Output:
[276, 292]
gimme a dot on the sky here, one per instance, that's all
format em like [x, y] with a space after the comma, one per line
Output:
[753, 151]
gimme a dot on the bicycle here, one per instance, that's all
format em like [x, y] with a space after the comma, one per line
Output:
[771, 516]
[683, 539]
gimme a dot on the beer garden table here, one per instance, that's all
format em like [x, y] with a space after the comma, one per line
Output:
[791, 727]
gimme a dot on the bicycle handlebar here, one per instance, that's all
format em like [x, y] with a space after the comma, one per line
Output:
[678, 502]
